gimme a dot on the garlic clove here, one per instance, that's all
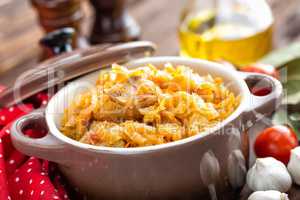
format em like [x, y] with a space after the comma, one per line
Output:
[294, 165]
[269, 174]
[268, 195]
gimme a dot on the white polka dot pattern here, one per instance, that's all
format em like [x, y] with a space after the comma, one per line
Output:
[24, 178]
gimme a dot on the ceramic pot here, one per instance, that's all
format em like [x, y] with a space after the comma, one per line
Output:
[210, 164]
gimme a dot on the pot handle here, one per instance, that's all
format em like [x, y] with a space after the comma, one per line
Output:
[260, 106]
[47, 147]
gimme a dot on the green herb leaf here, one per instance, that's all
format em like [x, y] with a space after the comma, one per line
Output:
[292, 92]
[287, 60]
[282, 56]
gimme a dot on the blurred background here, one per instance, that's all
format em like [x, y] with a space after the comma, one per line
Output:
[158, 20]
[238, 34]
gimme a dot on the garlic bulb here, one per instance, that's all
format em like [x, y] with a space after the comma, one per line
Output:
[269, 174]
[268, 195]
[294, 165]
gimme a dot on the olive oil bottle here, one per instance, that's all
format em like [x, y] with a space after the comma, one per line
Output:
[238, 33]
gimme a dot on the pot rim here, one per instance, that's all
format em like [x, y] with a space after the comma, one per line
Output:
[234, 76]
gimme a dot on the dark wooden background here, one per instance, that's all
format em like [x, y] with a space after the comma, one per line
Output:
[19, 31]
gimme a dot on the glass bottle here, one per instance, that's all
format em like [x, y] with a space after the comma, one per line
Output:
[238, 31]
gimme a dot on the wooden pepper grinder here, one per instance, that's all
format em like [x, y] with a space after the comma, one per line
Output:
[113, 23]
[58, 42]
[56, 14]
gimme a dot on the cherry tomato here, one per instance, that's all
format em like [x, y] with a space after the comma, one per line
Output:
[262, 68]
[277, 142]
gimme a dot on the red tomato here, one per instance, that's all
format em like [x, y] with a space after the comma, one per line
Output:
[277, 142]
[262, 68]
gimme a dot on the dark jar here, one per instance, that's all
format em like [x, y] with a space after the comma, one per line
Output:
[113, 23]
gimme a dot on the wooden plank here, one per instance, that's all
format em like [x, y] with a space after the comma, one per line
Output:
[19, 34]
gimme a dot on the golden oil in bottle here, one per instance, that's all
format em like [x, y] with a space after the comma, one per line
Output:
[240, 39]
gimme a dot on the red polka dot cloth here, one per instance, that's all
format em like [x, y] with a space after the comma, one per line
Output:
[23, 177]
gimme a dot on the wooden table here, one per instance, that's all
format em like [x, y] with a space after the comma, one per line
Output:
[19, 31]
